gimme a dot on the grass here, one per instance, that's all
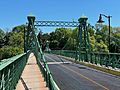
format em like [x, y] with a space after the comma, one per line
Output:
[101, 68]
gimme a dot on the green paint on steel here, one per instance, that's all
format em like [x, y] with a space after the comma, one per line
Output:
[11, 70]
[83, 38]
[6, 62]
[103, 59]
[34, 46]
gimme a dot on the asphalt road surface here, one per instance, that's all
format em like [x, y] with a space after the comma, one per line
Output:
[71, 76]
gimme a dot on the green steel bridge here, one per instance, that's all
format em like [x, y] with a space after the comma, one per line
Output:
[11, 69]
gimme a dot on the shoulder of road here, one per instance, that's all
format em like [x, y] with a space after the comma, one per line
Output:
[94, 66]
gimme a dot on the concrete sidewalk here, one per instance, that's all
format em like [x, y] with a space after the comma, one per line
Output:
[31, 78]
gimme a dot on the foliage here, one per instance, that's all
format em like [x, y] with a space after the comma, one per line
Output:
[13, 42]
[66, 38]
[58, 38]
[2, 35]
[9, 51]
[116, 40]
[92, 43]
[16, 39]
[19, 28]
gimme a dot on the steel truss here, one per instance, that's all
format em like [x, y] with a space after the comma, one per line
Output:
[56, 24]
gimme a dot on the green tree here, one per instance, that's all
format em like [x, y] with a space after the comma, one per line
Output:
[16, 39]
[19, 28]
[101, 47]
[115, 40]
[14, 42]
[59, 37]
[9, 51]
[67, 38]
[92, 43]
[2, 38]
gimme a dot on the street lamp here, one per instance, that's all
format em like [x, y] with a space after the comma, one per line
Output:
[101, 21]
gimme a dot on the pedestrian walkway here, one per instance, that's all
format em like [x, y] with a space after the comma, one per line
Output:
[31, 78]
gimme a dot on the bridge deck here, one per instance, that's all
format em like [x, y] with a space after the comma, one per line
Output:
[31, 78]
[72, 76]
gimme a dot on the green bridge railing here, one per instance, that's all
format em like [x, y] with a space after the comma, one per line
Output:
[11, 70]
[106, 59]
[44, 67]
[32, 44]
[47, 74]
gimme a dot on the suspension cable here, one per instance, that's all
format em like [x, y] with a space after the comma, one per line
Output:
[66, 43]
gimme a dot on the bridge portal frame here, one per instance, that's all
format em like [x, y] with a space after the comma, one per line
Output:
[83, 44]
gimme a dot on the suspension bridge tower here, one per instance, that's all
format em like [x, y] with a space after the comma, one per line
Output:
[83, 38]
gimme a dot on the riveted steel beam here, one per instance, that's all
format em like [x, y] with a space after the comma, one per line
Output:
[56, 24]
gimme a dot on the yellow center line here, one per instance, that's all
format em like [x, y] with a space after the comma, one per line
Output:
[86, 77]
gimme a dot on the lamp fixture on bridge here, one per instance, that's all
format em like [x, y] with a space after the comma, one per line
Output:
[101, 21]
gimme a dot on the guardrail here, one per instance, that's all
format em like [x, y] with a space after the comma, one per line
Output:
[46, 72]
[44, 67]
[47, 75]
[106, 59]
[11, 70]
[35, 47]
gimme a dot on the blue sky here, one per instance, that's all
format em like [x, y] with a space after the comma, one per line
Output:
[14, 12]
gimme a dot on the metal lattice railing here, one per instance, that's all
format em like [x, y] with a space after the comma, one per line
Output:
[106, 59]
[11, 70]
[44, 68]
[47, 74]
[33, 45]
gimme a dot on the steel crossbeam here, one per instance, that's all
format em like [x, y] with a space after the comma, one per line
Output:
[56, 23]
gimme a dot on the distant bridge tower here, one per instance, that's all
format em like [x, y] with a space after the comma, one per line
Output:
[47, 47]
[83, 38]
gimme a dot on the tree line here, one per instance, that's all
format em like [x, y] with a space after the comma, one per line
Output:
[66, 39]
[12, 43]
